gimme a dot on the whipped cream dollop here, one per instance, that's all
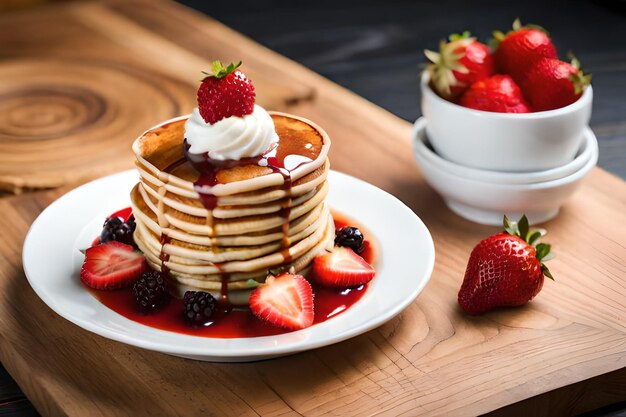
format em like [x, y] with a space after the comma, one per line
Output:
[233, 137]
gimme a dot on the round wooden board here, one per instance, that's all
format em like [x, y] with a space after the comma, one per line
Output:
[83, 113]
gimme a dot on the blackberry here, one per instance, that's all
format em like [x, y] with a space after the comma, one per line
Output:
[115, 229]
[199, 307]
[150, 292]
[350, 237]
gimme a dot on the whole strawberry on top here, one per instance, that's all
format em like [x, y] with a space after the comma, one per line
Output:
[498, 93]
[551, 84]
[505, 269]
[460, 62]
[224, 93]
[517, 51]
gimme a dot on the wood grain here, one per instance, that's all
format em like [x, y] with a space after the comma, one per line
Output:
[430, 360]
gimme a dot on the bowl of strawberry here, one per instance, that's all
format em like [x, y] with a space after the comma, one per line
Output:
[511, 107]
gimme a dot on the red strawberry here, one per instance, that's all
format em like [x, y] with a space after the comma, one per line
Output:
[518, 50]
[285, 301]
[225, 93]
[552, 84]
[111, 265]
[342, 268]
[504, 269]
[498, 93]
[459, 63]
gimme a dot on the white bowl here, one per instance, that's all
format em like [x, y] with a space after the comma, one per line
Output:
[486, 202]
[505, 141]
[582, 157]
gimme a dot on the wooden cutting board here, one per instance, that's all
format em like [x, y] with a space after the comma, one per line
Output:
[103, 72]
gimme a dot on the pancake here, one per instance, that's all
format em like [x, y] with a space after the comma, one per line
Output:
[222, 227]
[225, 209]
[302, 148]
[190, 262]
[149, 219]
[215, 228]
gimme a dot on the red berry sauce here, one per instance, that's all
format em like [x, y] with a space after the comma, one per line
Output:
[238, 322]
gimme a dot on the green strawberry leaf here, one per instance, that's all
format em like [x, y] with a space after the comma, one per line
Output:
[459, 36]
[277, 270]
[579, 80]
[219, 71]
[232, 67]
[546, 272]
[534, 237]
[218, 68]
[517, 228]
[523, 227]
[432, 56]
[498, 36]
[510, 227]
[573, 60]
[542, 250]
[517, 25]
[251, 283]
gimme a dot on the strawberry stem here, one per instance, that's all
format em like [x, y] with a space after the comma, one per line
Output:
[459, 36]
[219, 71]
[522, 229]
[579, 80]
[522, 224]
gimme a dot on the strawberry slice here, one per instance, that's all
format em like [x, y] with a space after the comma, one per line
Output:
[342, 268]
[111, 265]
[285, 301]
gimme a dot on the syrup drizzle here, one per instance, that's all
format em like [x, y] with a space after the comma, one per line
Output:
[164, 238]
[164, 257]
[209, 168]
[279, 159]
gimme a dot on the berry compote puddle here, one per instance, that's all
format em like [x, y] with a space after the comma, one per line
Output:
[238, 322]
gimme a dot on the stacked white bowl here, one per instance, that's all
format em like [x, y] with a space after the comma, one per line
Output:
[487, 164]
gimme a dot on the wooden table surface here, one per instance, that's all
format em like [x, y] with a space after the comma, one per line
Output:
[106, 71]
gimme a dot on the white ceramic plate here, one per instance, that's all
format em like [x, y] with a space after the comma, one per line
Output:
[52, 261]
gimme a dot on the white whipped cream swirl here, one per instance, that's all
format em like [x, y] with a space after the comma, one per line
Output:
[233, 137]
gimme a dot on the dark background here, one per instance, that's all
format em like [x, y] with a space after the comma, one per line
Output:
[375, 48]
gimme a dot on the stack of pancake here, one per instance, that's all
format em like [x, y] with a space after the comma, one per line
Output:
[255, 220]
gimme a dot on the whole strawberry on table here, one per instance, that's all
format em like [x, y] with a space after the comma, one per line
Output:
[520, 73]
[505, 269]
